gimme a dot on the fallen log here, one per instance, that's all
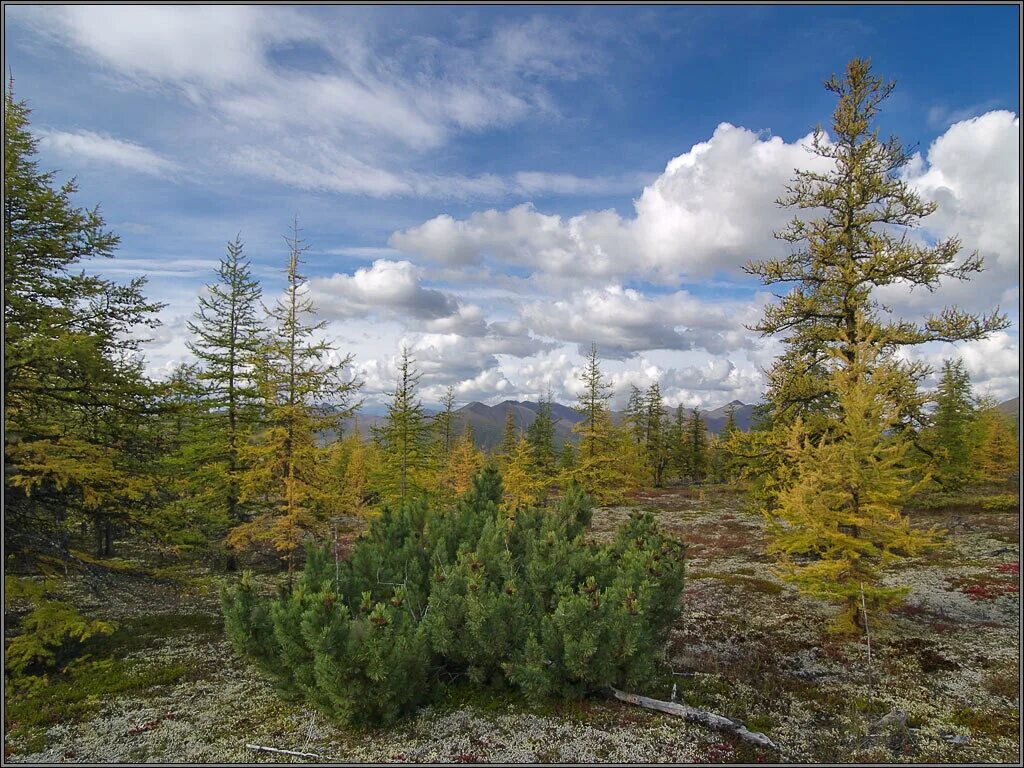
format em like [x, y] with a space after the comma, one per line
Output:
[292, 752]
[693, 715]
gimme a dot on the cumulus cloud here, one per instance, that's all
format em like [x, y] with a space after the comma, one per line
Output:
[385, 287]
[106, 150]
[972, 173]
[710, 210]
[623, 321]
[993, 364]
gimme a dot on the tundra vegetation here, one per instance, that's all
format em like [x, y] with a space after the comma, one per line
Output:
[222, 558]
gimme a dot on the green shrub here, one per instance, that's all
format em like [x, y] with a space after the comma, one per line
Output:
[49, 633]
[469, 593]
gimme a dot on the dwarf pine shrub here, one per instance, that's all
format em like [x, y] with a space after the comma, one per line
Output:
[471, 592]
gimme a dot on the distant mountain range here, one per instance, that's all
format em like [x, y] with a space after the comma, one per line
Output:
[1010, 407]
[489, 420]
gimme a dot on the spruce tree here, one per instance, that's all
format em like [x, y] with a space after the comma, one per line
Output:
[226, 341]
[657, 444]
[404, 437]
[541, 434]
[697, 439]
[948, 435]
[304, 393]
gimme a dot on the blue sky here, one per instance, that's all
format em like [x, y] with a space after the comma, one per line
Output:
[497, 187]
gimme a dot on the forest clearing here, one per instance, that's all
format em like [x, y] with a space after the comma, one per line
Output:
[747, 646]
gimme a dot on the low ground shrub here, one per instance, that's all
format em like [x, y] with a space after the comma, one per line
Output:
[516, 601]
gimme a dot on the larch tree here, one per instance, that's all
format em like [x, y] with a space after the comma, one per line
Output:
[599, 465]
[839, 377]
[464, 462]
[859, 243]
[679, 444]
[226, 340]
[657, 444]
[304, 393]
[404, 437]
[697, 447]
[838, 522]
[444, 426]
[523, 484]
[995, 457]
[76, 402]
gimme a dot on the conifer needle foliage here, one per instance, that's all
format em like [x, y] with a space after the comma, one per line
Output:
[468, 592]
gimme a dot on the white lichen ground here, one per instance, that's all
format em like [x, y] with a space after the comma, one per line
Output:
[746, 646]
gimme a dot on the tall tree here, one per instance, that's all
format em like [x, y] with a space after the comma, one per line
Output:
[949, 434]
[838, 522]
[304, 393]
[679, 444]
[860, 243]
[404, 437]
[697, 438]
[509, 437]
[75, 397]
[657, 444]
[599, 464]
[541, 434]
[636, 415]
[226, 341]
[444, 424]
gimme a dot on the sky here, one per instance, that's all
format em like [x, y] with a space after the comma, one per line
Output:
[496, 188]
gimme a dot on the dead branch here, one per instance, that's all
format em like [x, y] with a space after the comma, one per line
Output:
[292, 752]
[692, 715]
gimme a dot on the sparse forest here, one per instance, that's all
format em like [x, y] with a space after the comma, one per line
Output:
[841, 576]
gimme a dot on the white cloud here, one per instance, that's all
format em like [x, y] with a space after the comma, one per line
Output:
[711, 210]
[385, 287]
[623, 321]
[972, 172]
[195, 46]
[106, 150]
[993, 364]
[358, 124]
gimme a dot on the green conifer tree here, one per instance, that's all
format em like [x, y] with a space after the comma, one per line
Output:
[77, 408]
[541, 435]
[404, 438]
[949, 436]
[227, 336]
[304, 394]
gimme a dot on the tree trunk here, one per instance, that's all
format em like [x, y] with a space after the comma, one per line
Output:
[108, 538]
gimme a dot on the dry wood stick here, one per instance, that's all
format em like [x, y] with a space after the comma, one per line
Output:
[697, 716]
